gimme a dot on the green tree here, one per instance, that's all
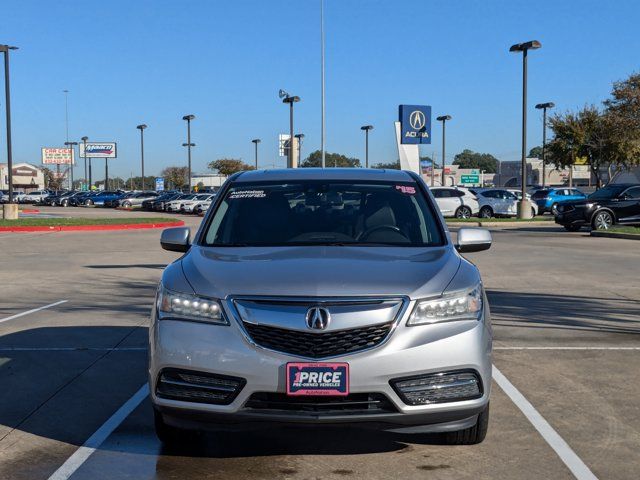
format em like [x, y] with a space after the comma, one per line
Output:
[331, 160]
[481, 161]
[535, 152]
[388, 166]
[229, 166]
[622, 117]
[175, 177]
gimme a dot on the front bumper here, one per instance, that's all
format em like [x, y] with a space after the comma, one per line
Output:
[575, 217]
[409, 351]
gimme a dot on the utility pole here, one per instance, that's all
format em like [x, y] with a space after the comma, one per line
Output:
[544, 107]
[11, 212]
[443, 119]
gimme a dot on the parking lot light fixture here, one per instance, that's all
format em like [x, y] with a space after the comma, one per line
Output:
[366, 129]
[141, 128]
[544, 107]
[188, 119]
[256, 141]
[5, 49]
[444, 119]
[290, 99]
[523, 206]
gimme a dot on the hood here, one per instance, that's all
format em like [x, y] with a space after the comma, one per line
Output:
[324, 271]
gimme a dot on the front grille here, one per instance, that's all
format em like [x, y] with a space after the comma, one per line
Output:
[190, 386]
[318, 345]
[355, 403]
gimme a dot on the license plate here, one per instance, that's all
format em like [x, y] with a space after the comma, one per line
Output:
[331, 379]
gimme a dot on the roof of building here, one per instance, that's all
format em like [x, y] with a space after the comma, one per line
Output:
[349, 174]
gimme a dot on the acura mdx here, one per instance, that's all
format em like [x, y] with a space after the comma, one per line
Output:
[322, 296]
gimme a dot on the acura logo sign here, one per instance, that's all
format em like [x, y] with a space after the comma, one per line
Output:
[318, 318]
[417, 120]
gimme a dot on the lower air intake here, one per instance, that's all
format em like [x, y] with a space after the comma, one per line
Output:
[198, 387]
[439, 387]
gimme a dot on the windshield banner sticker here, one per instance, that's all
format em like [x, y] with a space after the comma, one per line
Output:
[406, 189]
[247, 194]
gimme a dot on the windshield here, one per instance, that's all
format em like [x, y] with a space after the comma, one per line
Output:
[321, 213]
[610, 191]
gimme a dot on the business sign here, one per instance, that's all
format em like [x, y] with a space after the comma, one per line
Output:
[415, 123]
[470, 179]
[159, 184]
[98, 150]
[283, 144]
[57, 156]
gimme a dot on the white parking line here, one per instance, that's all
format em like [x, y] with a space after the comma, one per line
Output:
[555, 441]
[567, 348]
[81, 455]
[18, 315]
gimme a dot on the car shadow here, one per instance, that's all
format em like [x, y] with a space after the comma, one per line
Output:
[543, 310]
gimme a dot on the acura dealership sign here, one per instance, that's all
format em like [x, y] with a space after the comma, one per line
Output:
[415, 123]
[99, 150]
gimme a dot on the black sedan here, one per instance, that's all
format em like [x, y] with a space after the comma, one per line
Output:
[613, 204]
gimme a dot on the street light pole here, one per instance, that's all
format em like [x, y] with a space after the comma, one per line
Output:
[299, 137]
[188, 118]
[141, 128]
[322, 140]
[524, 210]
[66, 122]
[256, 141]
[5, 49]
[84, 154]
[290, 99]
[366, 129]
[443, 119]
[71, 146]
[544, 107]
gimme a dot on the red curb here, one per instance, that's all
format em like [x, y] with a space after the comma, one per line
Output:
[30, 210]
[85, 228]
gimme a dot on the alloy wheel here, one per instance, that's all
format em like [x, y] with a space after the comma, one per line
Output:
[603, 221]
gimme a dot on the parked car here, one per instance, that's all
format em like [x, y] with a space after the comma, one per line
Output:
[187, 206]
[63, 200]
[456, 202]
[17, 196]
[35, 196]
[322, 296]
[136, 199]
[548, 199]
[613, 204]
[518, 194]
[158, 202]
[495, 202]
[174, 205]
[81, 198]
[202, 207]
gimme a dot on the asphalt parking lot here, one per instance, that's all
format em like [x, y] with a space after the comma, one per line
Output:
[566, 318]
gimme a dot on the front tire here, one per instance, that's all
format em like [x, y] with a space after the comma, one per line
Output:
[126, 204]
[463, 212]
[472, 435]
[554, 209]
[602, 220]
[486, 212]
[533, 212]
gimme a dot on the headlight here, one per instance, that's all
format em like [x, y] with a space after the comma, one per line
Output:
[590, 205]
[189, 307]
[466, 305]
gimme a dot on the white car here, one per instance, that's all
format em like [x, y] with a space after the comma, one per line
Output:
[174, 205]
[188, 206]
[35, 197]
[456, 202]
[496, 202]
[136, 199]
[202, 207]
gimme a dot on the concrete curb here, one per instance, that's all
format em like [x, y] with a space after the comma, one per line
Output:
[90, 228]
[626, 236]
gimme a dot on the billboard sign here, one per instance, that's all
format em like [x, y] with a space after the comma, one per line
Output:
[283, 144]
[57, 156]
[415, 124]
[99, 150]
[159, 184]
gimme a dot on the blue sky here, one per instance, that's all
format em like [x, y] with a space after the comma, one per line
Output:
[131, 62]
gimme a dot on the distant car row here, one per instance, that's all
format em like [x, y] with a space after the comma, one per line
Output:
[461, 202]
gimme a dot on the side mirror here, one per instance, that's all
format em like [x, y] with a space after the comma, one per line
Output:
[473, 240]
[175, 239]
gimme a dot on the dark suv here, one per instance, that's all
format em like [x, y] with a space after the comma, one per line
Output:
[616, 203]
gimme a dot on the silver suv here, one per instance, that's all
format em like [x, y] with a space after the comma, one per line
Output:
[314, 296]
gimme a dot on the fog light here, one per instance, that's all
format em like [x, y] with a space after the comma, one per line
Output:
[438, 387]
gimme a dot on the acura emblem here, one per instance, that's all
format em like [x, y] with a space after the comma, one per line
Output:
[417, 120]
[318, 318]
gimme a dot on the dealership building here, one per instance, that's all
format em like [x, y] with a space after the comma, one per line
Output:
[26, 177]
